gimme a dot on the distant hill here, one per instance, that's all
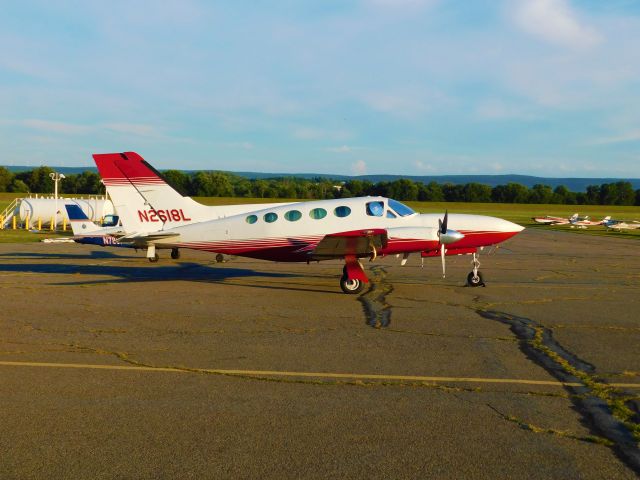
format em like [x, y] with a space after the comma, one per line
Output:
[573, 184]
[65, 170]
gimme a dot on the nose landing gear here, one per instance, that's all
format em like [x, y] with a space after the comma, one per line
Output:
[474, 279]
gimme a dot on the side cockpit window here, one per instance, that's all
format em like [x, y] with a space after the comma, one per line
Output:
[375, 209]
[400, 208]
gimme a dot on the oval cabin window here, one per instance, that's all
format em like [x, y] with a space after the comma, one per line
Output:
[292, 215]
[318, 213]
[252, 219]
[342, 211]
[270, 217]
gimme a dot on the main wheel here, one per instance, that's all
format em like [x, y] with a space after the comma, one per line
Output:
[352, 286]
[219, 258]
[475, 281]
[154, 259]
[175, 253]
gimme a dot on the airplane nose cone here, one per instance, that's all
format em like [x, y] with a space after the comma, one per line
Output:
[516, 228]
[507, 226]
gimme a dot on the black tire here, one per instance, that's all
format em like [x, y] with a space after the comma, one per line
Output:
[154, 259]
[473, 281]
[219, 258]
[175, 253]
[351, 287]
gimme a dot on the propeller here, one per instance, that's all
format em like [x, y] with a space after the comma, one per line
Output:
[446, 237]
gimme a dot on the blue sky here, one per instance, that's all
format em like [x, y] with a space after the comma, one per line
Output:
[415, 87]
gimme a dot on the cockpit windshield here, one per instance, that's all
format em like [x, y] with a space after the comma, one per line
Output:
[400, 208]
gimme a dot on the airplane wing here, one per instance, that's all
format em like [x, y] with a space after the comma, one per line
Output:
[146, 237]
[358, 243]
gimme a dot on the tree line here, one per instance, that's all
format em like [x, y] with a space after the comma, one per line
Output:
[222, 184]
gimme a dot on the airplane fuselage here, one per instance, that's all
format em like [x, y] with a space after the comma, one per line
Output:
[287, 232]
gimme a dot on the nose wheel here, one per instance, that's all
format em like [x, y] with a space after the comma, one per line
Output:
[175, 253]
[474, 279]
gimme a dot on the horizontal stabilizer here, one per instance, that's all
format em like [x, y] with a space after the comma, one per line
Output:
[147, 237]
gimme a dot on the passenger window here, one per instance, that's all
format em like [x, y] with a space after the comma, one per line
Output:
[342, 211]
[375, 209]
[270, 217]
[292, 215]
[318, 213]
[390, 214]
[252, 219]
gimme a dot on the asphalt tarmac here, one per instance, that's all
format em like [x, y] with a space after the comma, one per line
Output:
[112, 367]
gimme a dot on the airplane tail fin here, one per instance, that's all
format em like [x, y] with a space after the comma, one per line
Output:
[144, 200]
[81, 225]
[573, 217]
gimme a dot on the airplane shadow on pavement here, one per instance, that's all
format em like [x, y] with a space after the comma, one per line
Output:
[180, 271]
[95, 254]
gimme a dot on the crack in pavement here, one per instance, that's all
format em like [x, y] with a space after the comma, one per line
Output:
[376, 310]
[605, 409]
[551, 431]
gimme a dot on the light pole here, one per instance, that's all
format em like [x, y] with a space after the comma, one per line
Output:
[56, 177]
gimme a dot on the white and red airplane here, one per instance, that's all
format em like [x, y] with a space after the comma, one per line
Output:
[548, 220]
[348, 228]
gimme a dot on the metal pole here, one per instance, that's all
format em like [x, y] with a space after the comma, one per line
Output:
[56, 177]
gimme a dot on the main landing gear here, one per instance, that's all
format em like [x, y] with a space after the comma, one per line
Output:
[474, 279]
[350, 286]
[175, 253]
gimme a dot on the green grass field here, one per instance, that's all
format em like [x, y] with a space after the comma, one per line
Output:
[518, 213]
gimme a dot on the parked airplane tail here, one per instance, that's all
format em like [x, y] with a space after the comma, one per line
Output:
[141, 196]
[147, 203]
[573, 217]
[81, 225]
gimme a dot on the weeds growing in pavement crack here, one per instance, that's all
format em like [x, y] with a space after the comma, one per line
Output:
[607, 410]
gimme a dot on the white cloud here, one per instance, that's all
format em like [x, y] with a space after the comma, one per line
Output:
[496, 109]
[555, 22]
[359, 167]
[133, 128]
[56, 127]
[311, 133]
[397, 105]
[424, 167]
[401, 4]
[341, 149]
[633, 136]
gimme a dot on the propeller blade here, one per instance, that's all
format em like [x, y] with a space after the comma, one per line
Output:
[442, 254]
[443, 223]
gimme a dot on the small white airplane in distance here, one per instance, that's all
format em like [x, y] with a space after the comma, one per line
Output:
[621, 225]
[585, 222]
[347, 228]
[548, 220]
